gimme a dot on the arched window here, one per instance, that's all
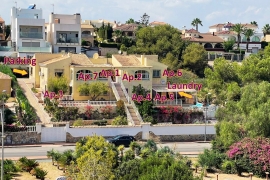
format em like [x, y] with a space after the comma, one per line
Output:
[142, 74]
[208, 45]
[255, 39]
[218, 45]
[84, 75]
[244, 39]
[103, 75]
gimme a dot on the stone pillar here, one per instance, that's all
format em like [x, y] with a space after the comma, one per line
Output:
[145, 130]
[38, 127]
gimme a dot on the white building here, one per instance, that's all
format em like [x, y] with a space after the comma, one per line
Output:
[64, 32]
[224, 31]
[28, 32]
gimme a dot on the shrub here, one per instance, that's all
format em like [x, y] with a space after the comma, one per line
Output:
[120, 120]
[228, 167]
[40, 173]
[120, 108]
[78, 122]
[106, 111]
[211, 159]
[100, 123]
[251, 154]
[89, 111]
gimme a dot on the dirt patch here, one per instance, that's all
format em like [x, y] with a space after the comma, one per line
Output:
[53, 172]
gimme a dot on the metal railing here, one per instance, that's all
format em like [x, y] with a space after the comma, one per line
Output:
[86, 35]
[34, 35]
[5, 48]
[31, 128]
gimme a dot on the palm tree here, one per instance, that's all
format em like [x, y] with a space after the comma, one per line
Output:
[50, 154]
[196, 22]
[117, 35]
[266, 30]
[248, 33]
[238, 29]
[254, 23]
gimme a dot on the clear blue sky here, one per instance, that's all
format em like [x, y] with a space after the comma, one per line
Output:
[178, 13]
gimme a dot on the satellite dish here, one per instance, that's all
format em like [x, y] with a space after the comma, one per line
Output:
[95, 56]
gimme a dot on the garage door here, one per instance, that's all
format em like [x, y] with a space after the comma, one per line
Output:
[53, 134]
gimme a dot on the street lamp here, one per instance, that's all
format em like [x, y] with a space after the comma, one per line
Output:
[206, 116]
[2, 122]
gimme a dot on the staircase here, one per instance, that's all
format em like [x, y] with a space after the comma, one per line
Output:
[131, 112]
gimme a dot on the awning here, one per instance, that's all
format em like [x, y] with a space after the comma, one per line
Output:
[185, 95]
[165, 89]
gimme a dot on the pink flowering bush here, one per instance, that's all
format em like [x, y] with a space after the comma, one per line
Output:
[251, 155]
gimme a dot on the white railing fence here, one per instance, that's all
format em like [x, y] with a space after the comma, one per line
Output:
[115, 91]
[124, 90]
[31, 128]
[168, 102]
[85, 103]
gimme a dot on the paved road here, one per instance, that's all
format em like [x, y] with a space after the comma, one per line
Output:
[42, 115]
[189, 148]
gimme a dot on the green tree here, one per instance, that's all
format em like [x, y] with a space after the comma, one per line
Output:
[266, 29]
[254, 23]
[55, 84]
[228, 45]
[248, 33]
[238, 29]
[130, 21]
[96, 159]
[160, 40]
[195, 59]
[117, 34]
[94, 89]
[196, 22]
[7, 31]
[145, 19]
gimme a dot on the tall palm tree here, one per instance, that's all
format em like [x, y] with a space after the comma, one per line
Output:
[266, 30]
[248, 33]
[238, 29]
[196, 22]
[254, 23]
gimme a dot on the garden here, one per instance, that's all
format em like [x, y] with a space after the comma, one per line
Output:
[25, 114]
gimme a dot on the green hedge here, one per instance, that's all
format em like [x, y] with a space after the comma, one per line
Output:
[28, 113]
[100, 123]
[112, 45]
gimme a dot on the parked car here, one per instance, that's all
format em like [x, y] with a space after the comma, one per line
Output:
[121, 140]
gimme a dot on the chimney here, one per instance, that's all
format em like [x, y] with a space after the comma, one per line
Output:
[213, 33]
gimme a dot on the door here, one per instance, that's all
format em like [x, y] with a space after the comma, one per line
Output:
[53, 134]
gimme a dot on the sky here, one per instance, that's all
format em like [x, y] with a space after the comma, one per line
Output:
[178, 13]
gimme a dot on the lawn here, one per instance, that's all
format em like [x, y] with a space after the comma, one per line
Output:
[53, 172]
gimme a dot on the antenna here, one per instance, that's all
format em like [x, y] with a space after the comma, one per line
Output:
[53, 8]
[16, 4]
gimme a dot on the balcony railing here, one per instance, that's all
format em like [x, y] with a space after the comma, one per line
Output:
[168, 102]
[34, 35]
[66, 98]
[35, 49]
[85, 103]
[5, 48]
[67, 41]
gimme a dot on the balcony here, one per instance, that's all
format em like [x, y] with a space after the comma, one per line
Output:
[32, 35]
[35, 49]
[5, 48]
[68, 41]
[87, 36]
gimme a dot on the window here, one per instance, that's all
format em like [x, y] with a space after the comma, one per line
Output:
[58, 72]
[57, 21]
[142, 74]
[255, 39]
[81, 75]
[156, 73]
[102, 76]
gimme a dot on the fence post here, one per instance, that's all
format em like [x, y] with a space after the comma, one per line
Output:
[38, 127]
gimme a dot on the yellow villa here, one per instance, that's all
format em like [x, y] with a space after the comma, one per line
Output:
[126, 71]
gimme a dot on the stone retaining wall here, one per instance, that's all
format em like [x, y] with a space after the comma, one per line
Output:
[22, 138]
[181, 138]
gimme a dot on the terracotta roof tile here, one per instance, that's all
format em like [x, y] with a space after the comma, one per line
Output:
[54, 60]
[2, 20]
[205, 37]
[4, 76]
[127, 27]
[191, 31]
[225, 32]
[129, 60]
[80, 59]
[86, 26]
